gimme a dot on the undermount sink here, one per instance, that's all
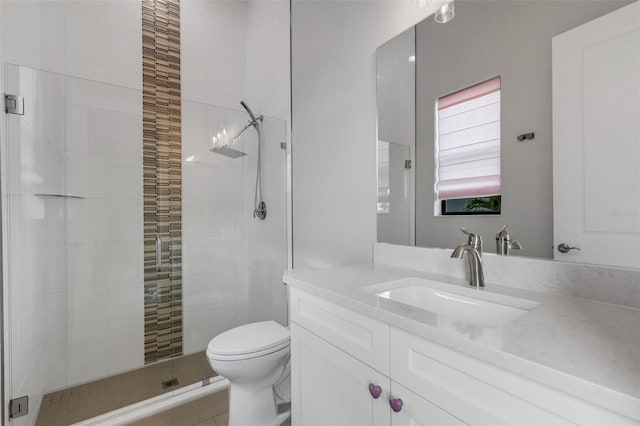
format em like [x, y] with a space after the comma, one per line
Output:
[458, 303]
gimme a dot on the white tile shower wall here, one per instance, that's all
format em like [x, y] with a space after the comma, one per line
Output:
[596, 282]
[267, 57]
[213, 73]
[97, 40]
[213, 43]
[233, 262]
[214, 284]
[232, 51]
[75, 264]
[266, 239]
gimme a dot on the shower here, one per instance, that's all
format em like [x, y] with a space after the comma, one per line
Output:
[260, 207]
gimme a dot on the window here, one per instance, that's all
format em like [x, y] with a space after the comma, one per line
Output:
[468, 150]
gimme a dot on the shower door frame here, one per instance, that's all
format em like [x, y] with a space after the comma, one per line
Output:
[3, 281]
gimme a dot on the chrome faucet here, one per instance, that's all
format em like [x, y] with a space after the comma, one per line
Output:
[473, 249]
[504, 243]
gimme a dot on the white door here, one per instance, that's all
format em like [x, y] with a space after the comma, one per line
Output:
[331, 388]
[596, 140]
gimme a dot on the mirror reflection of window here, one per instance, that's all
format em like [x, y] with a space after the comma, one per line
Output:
[468, 151]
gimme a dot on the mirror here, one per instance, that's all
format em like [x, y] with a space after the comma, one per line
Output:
[511, 40]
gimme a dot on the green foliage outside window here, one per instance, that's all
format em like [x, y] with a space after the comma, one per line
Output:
[484, 204]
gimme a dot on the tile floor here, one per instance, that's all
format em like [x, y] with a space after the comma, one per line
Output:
[82, 402]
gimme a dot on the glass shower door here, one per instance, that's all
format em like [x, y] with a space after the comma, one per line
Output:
[73, 173]
[233, 262]
[78, 226]
[394, 193]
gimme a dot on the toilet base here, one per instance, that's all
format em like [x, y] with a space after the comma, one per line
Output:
[249, 406]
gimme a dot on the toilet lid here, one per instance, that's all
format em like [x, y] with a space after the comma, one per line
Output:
[249, 338]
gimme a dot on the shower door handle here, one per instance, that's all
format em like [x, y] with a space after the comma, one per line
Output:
[158, 253]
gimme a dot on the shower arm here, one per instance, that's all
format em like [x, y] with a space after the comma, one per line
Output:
[260, 208]
[254, 123]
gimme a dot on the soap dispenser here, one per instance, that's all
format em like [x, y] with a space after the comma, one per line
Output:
[504, 243]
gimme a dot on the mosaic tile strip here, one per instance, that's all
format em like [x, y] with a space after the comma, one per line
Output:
[162, 178]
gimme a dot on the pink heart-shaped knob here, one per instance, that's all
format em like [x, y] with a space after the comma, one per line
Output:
[396, 404]
[375, 390]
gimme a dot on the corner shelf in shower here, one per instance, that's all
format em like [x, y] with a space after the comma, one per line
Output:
[60, 196]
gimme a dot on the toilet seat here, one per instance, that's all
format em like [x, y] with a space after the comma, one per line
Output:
[249, 341]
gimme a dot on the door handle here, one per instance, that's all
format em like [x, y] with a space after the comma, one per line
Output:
[158, 253]
[565, 248]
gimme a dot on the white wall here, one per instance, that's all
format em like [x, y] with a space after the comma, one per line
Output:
[334, 127]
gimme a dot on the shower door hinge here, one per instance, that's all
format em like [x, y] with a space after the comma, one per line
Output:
[18, 407]
[283, 145]
[407, 164]
[13, 104]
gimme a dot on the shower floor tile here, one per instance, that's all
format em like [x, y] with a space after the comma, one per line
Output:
[211, 410]
[82, 402]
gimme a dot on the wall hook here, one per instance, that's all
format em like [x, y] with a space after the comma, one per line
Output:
[526, 136]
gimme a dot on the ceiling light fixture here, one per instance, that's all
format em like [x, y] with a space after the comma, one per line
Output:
[445, 13]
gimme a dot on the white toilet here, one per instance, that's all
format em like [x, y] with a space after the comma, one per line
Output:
[255, 360]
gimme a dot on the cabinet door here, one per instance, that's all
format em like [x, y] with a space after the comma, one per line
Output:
[362, 337]
[331, 388]
[418, 411]
[473, 390]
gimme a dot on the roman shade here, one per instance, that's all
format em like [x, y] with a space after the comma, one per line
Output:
[468, 142]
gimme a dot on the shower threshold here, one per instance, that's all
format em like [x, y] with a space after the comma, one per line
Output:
[133, 389]
[181, 399]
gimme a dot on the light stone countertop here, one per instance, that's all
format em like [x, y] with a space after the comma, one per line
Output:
[582, 347]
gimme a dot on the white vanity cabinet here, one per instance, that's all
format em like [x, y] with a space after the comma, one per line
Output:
[338, 358]
[330, 387]
[419, 411]
[337, 353]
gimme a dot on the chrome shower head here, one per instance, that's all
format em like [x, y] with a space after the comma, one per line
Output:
[227, 151]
